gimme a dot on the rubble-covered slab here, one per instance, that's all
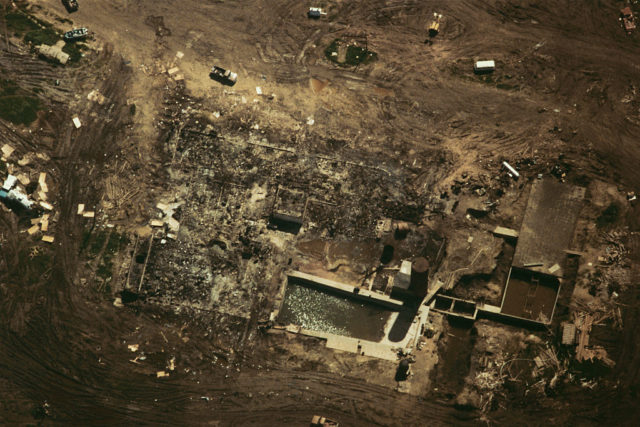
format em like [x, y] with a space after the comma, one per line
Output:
[464, 257]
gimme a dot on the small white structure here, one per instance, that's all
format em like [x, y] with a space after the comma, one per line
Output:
[9, 182]
[484, 66]
[403, 277]
[76, 122]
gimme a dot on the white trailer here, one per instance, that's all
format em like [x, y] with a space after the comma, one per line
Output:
[484, 66]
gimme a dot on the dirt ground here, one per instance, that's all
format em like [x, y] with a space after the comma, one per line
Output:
[414, 136]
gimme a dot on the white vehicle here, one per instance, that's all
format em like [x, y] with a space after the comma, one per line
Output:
[76, 34]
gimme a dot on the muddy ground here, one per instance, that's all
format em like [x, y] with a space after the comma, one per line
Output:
[413, 136]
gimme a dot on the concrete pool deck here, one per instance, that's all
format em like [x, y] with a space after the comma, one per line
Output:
[384, 349]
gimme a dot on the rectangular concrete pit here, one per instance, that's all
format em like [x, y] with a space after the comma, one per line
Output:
[531, 296]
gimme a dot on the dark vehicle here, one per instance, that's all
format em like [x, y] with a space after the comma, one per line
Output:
[434, 27]
[76, 34]
[318, 421]
[70, 5]
[315, 13]
[628, 21]
[223, 76]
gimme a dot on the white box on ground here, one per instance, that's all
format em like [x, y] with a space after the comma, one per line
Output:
[484, 66]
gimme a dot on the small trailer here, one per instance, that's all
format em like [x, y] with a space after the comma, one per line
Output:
[481, 67]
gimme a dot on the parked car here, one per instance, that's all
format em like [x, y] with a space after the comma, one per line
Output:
[76, 34]
[315, 13]
[70, 5]
[223, 76]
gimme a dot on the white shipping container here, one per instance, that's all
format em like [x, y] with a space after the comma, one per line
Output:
[484, 66]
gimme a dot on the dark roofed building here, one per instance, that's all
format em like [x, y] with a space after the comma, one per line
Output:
[548, 226]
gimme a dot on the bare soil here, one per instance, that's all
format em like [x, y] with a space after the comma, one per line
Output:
[414, 136]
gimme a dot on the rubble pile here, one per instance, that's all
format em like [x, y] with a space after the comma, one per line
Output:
[487, 374]
[615, 251]
[584, 350]
[25, 190]
[507, 360]
[214, 246]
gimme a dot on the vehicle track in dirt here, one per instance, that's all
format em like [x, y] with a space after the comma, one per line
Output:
[64, 347]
